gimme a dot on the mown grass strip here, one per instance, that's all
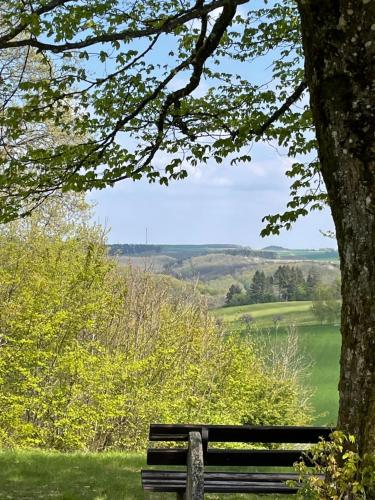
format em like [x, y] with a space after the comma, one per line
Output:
[264, 314]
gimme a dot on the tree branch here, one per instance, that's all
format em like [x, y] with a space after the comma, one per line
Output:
[168, 26]
[279, 112]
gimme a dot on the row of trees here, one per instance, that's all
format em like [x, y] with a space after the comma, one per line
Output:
[91, 353]
[286, 284]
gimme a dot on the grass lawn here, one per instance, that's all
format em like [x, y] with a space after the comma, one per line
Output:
[318, 344]
[322, 345]
[33, 475]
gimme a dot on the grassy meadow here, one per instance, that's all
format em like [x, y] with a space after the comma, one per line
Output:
[318, 344]
[40, 475]
[291, 312]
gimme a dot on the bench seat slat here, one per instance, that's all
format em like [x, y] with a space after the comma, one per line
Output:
[182, 483]
[218, 457]
[221, 487]
[244, 433]
[216, 484]
[221, 476]
[167, 487]
[249, 488]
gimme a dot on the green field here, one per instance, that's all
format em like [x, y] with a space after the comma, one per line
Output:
[320, 345]
[187, 251]
[291, 312]
[40, 475]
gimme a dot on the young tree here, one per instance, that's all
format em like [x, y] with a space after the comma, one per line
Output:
[276, 319]
[257, 290]
[319, 310]
[281, 278]
[132, 94]
[233, 293]
[326, 306]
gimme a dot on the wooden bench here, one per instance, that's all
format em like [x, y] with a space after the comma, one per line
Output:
[195, 481]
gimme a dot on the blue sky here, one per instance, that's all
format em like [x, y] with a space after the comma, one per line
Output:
[215, 204]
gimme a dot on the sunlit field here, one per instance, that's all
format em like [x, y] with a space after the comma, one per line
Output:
[319, 344]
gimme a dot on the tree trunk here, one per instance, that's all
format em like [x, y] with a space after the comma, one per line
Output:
[339, 45]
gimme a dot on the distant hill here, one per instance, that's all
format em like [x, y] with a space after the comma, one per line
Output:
[183, 252]
[177, 251]
[323, 254]
[275, 248]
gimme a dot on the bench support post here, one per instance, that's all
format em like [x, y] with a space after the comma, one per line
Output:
[195, 469]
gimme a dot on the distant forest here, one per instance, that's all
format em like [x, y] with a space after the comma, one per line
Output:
[286, 284]
[133, 249]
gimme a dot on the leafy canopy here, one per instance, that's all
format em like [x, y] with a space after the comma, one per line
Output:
[124, 90]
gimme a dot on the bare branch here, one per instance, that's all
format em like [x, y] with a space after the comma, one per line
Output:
[204, 49]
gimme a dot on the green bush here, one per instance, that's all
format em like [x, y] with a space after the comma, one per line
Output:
[339, 471]
[91, 354]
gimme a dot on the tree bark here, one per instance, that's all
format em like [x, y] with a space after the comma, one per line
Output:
[339, 45]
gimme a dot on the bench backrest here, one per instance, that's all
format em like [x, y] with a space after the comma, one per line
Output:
[233, 434]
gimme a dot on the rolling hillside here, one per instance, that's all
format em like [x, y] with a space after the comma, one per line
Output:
[318, 345]
[216, 267]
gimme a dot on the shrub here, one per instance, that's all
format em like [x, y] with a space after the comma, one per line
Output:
[339, 471]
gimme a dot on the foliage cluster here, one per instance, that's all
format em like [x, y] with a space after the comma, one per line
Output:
[90, 354]
[287, 283]
[339, 471]
[326, 307]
